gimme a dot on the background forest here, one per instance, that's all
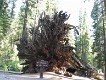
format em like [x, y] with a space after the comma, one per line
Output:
[88, 44]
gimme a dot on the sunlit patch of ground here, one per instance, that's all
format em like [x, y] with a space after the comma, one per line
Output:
[47, 76]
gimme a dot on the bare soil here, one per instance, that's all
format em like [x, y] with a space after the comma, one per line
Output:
[46, 76]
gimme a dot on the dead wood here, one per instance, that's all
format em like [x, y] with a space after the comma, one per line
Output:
[48, 41]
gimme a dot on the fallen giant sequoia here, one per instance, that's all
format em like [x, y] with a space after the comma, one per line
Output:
[48, 41]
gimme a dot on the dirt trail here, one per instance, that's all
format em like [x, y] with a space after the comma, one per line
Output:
[47, 76]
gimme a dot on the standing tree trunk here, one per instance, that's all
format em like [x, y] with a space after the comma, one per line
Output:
[104, 30]
[104, 48]
[105, 6]
[25, 18]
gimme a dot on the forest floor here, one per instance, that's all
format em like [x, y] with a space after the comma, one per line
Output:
[46, 76]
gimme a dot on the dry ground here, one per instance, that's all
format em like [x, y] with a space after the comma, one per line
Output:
[47, 76]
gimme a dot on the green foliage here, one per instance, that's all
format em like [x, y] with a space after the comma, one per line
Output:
[82, 41]
[11, 29]
[7, 60]
[97, 48]
[4, 19]
[51, 6]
